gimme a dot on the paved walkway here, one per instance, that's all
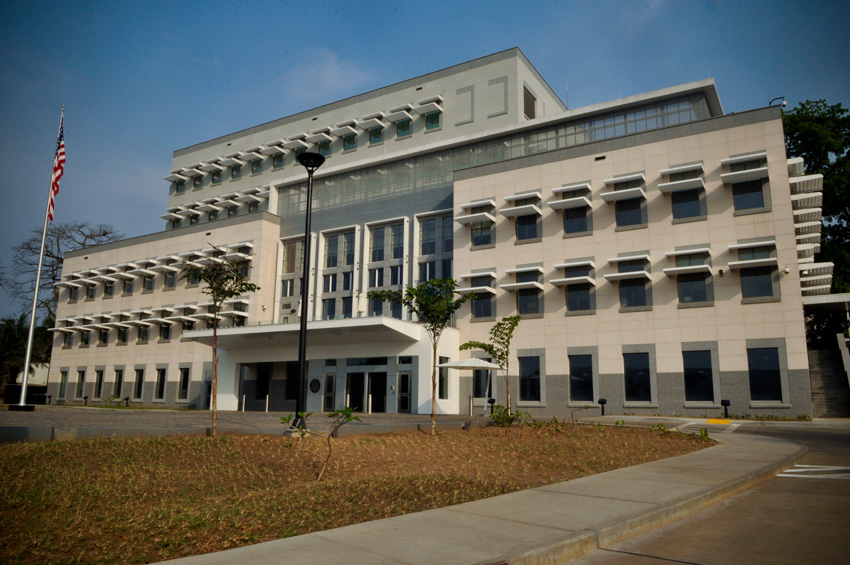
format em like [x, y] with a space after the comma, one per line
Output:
[544, 525]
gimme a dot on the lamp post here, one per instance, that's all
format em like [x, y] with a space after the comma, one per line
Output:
[311, 162]
[783, 104]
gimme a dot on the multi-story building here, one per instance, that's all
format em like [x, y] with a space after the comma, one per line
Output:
[658, 251]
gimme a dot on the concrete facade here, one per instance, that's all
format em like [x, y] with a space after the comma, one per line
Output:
[463, 173]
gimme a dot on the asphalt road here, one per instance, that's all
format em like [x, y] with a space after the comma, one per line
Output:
[800, 516]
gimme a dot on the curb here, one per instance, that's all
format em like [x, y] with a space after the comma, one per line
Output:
[575, 545]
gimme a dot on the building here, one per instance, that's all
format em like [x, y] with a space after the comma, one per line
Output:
[659, 251]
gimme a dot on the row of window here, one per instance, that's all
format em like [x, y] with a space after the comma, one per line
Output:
[639, 380]
[213, 215]
[117, 388]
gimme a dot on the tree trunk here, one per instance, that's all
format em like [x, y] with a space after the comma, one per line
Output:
[508, 386]
[434, 393]
[214, 404]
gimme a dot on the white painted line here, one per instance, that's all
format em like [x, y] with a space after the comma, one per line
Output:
[816, 472]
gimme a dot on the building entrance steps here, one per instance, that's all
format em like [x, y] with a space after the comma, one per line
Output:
[549, 524]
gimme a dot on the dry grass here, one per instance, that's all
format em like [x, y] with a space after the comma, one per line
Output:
[124, 501]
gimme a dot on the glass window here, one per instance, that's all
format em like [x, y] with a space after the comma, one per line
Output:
[427, 271]
[170, 279]
[98, 383]
[397, 240]
[757, 282]
[256, 166]
[629, 212]
[193, 220]
[632, 293]
[581, 378]
[85, 337]
[74, 293]
[122, 335]
[197, 181]
[63, 383]
[748, 195]
[118, 384]
[103, 336]
[324, 148]
[232, 211]
[693, 287]
[142, 333]
[482, 383]
[329, 309]
[347, 278]
[346, 307]
[165, 331]
[377, 244]
[147, 283]
[443, 381]
[159, 392]
[576, 220]
[67, 339]
[216, 176]
[376, 135]
[529, 379]
[235, 172]
[529, 104]
[108, 288]
[482, 233]
[277, 160]
[138, 384]
[287, 288]
[264, 377]
[81, 384]
[376, 307]
[212, 215]
[447, 269]
[637, 379]
[432, 120]
[448, 234]
[402, 128]
[183, 388]
[699, 384]
[376, 278]
[329, 283]
[578, 297]
[395, 275]
[527, 227]
[90, 289]
[428, 236]
[686, 204]
[765, 377]
[348, 247]
[290, 250]
[349, 142]
[180, 187]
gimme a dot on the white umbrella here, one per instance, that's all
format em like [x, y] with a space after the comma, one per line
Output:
[472, 364]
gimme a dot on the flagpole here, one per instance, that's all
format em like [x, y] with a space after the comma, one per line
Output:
[22, 403]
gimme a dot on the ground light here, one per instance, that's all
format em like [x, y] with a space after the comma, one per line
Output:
[311, 162]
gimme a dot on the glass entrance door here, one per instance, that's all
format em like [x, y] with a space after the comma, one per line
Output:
[404, 393]
[378, 391]
[355, 390]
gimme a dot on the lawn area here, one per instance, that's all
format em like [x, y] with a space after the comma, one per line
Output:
[135, 501]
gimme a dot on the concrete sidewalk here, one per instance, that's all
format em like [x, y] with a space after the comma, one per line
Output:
[549, 524]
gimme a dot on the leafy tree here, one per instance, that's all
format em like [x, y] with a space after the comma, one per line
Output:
[60, 239]
[14, 333]
[499, 348]
[224, 279]
[820, 134]
[434, 304]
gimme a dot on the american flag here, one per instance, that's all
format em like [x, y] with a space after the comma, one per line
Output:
[58, 167]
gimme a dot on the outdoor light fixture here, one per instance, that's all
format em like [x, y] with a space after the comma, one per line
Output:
[602, 403]
[725, 404]
[784, 103]
[311, 162]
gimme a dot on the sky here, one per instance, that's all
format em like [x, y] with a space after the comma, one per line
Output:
[141, 79]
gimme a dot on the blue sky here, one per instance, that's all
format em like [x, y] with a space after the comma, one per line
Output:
[141, 79]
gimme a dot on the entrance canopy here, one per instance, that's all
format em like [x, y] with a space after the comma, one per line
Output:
[470, 364]
[351, 331]
[827, 303]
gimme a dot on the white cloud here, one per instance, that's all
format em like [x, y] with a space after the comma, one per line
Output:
[320, 76]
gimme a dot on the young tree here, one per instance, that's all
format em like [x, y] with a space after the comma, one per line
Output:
[60, 239]
[224, 279]
[820, 134]
[434, 304]
[499, 348]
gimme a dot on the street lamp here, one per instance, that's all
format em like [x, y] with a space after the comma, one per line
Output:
[311, 162]
[784, 103]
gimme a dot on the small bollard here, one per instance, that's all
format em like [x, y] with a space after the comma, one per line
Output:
[602, 403]
[85, 401]
[725, 404]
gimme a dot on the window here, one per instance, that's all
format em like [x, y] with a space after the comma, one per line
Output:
[188, 325]
[128, 286]
[581, 378]
[376, 307]
[324, 148]
[329, 309]
[331, 251]
[432, 120]
[176, 224]
[170, 279]
[579, 297]
[85, 338]
[629, 212]
[256, 166]
[757, 282]
[193, 220]
[577, 220]
[122, 335]
[347, 279]
[90, 289]
[427, 271]
[377, 244]
[448, 234]
[638, 383]
[693, 287]
[395, 309]
[529, 104]
[428, 236]
[528, 299]
[529, 379]
[376, 278]
[346, 307]
[482, 302]
[349, 142]
[287, 288]
[402, 128]
[443, 382]
[143, 333]
[232, 211]
[118, 384]
[81, 384]
[159, 391]
[482, 233]
[376, 135]
[98, 383]
[482, 383]
[688, 204]
[298, 152]
[290, 251]
[67, 339]
[748, 195]
[447, 268]
[102, 337]
[253, 207]
[699, 380]
[212, 215]
[63, 383]
[108, 289]
[264, 377]
[397, 240]
[180, 187]
[395, 275]
[74, 293]
[348, 248]
[765, 376]
[633, 292]
[235, 172]
[277, 160]
[329, 283]
[216, 176]
[183, 387]
[138, 384]
[527, 226]
[147, 283]
[164, 332]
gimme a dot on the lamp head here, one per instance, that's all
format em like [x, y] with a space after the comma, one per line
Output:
[311, 161]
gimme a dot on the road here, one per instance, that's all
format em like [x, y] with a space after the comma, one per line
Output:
[800, 516]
